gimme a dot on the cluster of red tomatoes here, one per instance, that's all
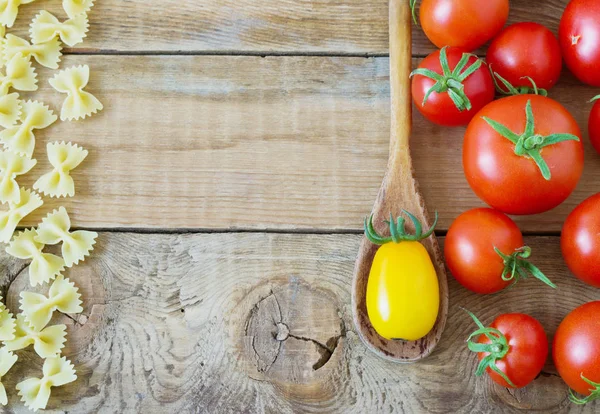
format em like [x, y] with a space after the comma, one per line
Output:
[522, 154]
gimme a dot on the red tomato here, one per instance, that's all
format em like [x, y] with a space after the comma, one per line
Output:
[579, 35]
[534, 181]
[439, 107]
[580, 241]
[576, 348]
[521, 354]
[466, 24]
[594, 124]
[526, 49]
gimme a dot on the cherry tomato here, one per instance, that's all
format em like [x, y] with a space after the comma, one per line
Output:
[466, 24]
[526, 50]
[594, 124]
[576, 349]
[579, 35]
[471, 256]
[523, 170]
[477, 88]
[517, 349]
[580, 241]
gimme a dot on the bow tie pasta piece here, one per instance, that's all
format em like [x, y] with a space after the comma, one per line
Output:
[20, 75]
[12, 165]
[9, 10]
[9, 220]
[64, 158]
[20, 138]
[44, 266]
[45, 26]
[47, 342]
[35, 392]
[63, 296]
[7, 360]
[75, 7]
[76, 245]
[78, 103]
[7, 323]
[46, 54]
[10, 110]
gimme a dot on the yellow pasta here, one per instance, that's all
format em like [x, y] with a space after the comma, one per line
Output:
[44, 266]
[78, 103]
[64, 157]
[47, 342]
[9, 10]
[9, 220]
[12, 165]
[35, 392]
[20, 75]
[20, 138]
[75, 7]
[46, 54]
[7, 360]
[76, 245]
[10, 110]
[63, 296]
[7, 323]
[45, 27]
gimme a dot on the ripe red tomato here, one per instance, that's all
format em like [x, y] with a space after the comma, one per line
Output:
[470, 252]
[466, 24]
[519, 349]
[529, 171]
[579, 34]
[594, 124]
[526, 49]
[440, 108]
[576, 348]
[580, 241]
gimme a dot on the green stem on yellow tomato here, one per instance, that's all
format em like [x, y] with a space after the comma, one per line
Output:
[398, 231]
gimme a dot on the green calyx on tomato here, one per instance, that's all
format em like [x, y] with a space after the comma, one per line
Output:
[451, 81]
[595, 98]
[529, 144]
[413, 9]
[397, 230]
[594, 393]
[496, 349]
[521, 90]
[516, 266]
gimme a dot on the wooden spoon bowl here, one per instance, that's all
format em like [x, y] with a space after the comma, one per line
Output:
[399, 190]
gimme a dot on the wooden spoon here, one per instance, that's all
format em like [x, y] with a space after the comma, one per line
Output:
[399, 190]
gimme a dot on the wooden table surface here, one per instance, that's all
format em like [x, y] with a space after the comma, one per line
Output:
[241, 145]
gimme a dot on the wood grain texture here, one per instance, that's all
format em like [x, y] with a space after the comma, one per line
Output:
[260, 143]
[205, 323]
[255, 26]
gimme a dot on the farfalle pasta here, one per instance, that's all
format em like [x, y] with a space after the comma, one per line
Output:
[20, 75]
[11, 166]
[46, 54]
[7, 323]
[63, 296]
[45, 27]
[10, 110]
[76, 245]
[44, 266]
[9, 10]
[76, 7]
[20, 138]
[64, 157]
[79, 103]
[7, 360]
[9, 220]
[35, 392]
[47, 342]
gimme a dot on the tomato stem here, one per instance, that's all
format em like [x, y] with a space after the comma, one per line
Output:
[529, 143]
[496, 350]
[521, 90]
[517, 267]
[594, 393]
[398, 230]
[413, 9]
[595, 98]
[451, 81]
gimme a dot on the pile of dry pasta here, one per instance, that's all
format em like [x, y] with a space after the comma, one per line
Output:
[20, 119]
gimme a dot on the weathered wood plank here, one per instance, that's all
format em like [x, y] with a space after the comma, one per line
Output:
[261, 143]
[256, 26]
[262, 323]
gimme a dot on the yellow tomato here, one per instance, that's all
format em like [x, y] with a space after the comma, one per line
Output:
[403, 293]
